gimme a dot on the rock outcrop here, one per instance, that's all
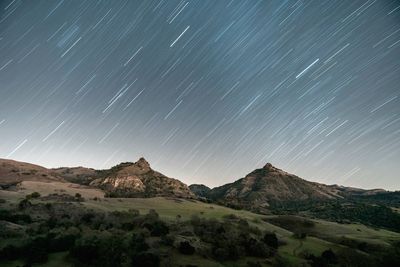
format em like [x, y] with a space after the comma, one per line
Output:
[139, 180]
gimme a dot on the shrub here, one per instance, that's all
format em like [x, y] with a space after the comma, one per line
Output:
[10, 252]
[257, 249]
[152, 215]
[138, 243]
[186, 248]
[146, 259]
[271, 240]
[33, 195]
[85, 251]
[23, 204]
[157, 228]
[329, 256]
[36, 250]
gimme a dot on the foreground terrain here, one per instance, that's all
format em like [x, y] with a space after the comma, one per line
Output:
[62, 224]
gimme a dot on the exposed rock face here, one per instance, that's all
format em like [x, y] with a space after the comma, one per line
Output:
[200, 190]
[120, 184]
[267, 184]
[139, 180]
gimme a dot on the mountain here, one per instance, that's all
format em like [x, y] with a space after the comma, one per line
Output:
[261, 187]
[139, 180]
[13, 172]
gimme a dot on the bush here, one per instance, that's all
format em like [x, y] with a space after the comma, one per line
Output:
[329, 256]
[138, 244]
[23, 204]
[146, 259]
[152, 215]
[33, 195]
[271, 240]
[10, 252]
[186, 248]
[85, 251]
[35, 254]
[256, 248]
[157, 228]
[61, 243]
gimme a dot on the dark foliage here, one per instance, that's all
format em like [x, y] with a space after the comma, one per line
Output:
[271, 240]
[186, 248]
[373, 211]
[146, 259]
[33, 195]
[13, 217]
[229, 240]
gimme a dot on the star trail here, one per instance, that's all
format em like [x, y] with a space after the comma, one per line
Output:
[206, 91]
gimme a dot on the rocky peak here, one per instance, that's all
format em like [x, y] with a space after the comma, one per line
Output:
[269, 166]
[142, 164]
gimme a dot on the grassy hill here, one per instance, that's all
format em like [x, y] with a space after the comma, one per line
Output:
[296, 243]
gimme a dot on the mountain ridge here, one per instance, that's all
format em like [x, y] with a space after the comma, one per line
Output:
[138, 179]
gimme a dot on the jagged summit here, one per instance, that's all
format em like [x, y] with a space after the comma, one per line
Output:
[142, 163]
[268, 166]
[139, 180]
[271, 168]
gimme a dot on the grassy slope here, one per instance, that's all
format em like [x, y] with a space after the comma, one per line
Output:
[169, 208]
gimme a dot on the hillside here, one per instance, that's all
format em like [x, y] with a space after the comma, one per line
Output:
[13, 172]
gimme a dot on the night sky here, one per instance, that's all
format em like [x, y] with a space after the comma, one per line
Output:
[206, 91]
